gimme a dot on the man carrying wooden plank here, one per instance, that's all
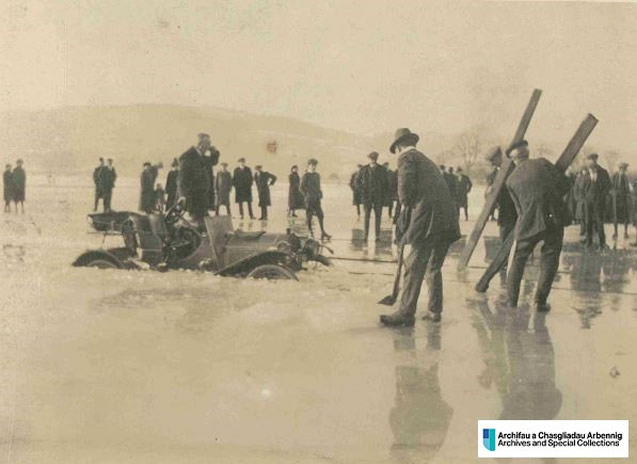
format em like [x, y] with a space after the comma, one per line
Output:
[537, 189]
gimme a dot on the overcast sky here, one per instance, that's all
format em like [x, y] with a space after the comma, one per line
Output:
[364, 66]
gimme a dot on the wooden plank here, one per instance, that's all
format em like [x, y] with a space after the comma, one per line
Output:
[564, 161]
[498, 184]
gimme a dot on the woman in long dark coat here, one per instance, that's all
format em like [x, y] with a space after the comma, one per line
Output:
[263, 180]
[295, 197]
[147, 182]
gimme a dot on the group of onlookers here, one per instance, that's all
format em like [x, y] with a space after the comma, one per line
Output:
[104, 177]
[596, 198]
[14, 183]
[375, 186]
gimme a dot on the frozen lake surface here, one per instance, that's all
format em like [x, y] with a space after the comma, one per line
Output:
[184, 367]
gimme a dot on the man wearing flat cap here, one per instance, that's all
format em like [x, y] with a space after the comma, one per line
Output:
[620, 191]
[429, 220]
[595, 188]
[537, 189]
[193, 179]
[372, 183]
[504, 205]
[312, 193]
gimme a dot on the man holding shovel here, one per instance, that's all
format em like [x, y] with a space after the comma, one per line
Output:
[429, 224]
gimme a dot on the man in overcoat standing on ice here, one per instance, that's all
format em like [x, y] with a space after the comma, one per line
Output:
[430, 222]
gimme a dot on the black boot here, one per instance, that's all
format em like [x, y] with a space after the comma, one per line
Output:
[397, 319]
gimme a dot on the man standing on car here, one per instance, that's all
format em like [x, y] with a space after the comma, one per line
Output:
[429, 221]
[242, 183]
[98, 180]
[193, 179]
[373, 185]
[171, 184]
[109, 176]
[537, 189]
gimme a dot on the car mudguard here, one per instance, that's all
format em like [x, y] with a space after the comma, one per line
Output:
[248, 263]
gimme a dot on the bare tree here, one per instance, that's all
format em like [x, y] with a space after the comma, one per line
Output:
[469, 147]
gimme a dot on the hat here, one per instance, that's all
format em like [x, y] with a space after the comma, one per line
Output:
[359, 166]
[147, 164]
[101, 159]
[258, 166]
[19, 161]
[294, 166]
[241, 160]
[458, 169]
[373, 156]
[623, 165]
[175, 163]
[403, 136]
[203, 135]
[442, 167]
[493, 153]
[592, 156]
[224, 164]
[312, 161]
[516, 145]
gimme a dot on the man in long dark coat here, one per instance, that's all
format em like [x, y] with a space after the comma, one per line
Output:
[295, 196]
[98, 180]
[452, 183]
[311, 188]
[373, 185]
[109, 176]
[463, 187]
[580, 202]
[9, 188]
[171, 184]
[193, 180]
[147, 197]
[430, 224]
[356, 194]
[264, 180]
[20, 185]
[213, 159]
[595, 189]
[223, 185]
[621, 199]
[537, 189]
[242, 183]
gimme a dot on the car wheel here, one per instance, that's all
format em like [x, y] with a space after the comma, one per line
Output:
[271, 272]
[101, 264]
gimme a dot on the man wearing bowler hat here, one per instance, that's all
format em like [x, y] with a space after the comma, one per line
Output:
[430, 224]
[373, 186]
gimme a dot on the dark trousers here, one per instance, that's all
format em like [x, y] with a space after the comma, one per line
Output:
[594, 217]
[549, 263]
[314, 208]
[424, 260]
[378, 212]
[108, 195]
[264, 212]
[249, 209]
[197, 204]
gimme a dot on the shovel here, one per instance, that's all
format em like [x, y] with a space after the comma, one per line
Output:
[389, 300]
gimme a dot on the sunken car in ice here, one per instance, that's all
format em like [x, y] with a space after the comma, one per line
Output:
[166, 241]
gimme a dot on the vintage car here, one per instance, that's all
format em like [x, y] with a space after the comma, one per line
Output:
[166, 241]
